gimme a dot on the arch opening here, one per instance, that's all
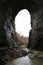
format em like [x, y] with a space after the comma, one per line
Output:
[22, 24]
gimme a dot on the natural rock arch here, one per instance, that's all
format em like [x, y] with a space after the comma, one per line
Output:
[8, 11]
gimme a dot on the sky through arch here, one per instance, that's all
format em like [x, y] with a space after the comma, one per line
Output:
[22, 23]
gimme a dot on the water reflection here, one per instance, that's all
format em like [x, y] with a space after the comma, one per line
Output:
[26, 61]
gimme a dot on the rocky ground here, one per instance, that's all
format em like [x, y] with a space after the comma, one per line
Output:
[35, 54]
[8, 54]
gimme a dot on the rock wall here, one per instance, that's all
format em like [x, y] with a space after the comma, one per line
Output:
[7, 26]
[36, 34]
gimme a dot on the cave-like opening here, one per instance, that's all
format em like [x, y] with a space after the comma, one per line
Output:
[23, 24]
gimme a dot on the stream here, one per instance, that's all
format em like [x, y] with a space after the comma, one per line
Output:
[26, 61]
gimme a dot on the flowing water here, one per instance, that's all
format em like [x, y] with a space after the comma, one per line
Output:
[26, 61]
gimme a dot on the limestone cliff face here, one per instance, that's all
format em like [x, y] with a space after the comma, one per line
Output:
[24, 40]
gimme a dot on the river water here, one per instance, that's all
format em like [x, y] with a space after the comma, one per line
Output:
[26, 61]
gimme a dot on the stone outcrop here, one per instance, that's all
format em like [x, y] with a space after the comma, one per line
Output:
[24, 40]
